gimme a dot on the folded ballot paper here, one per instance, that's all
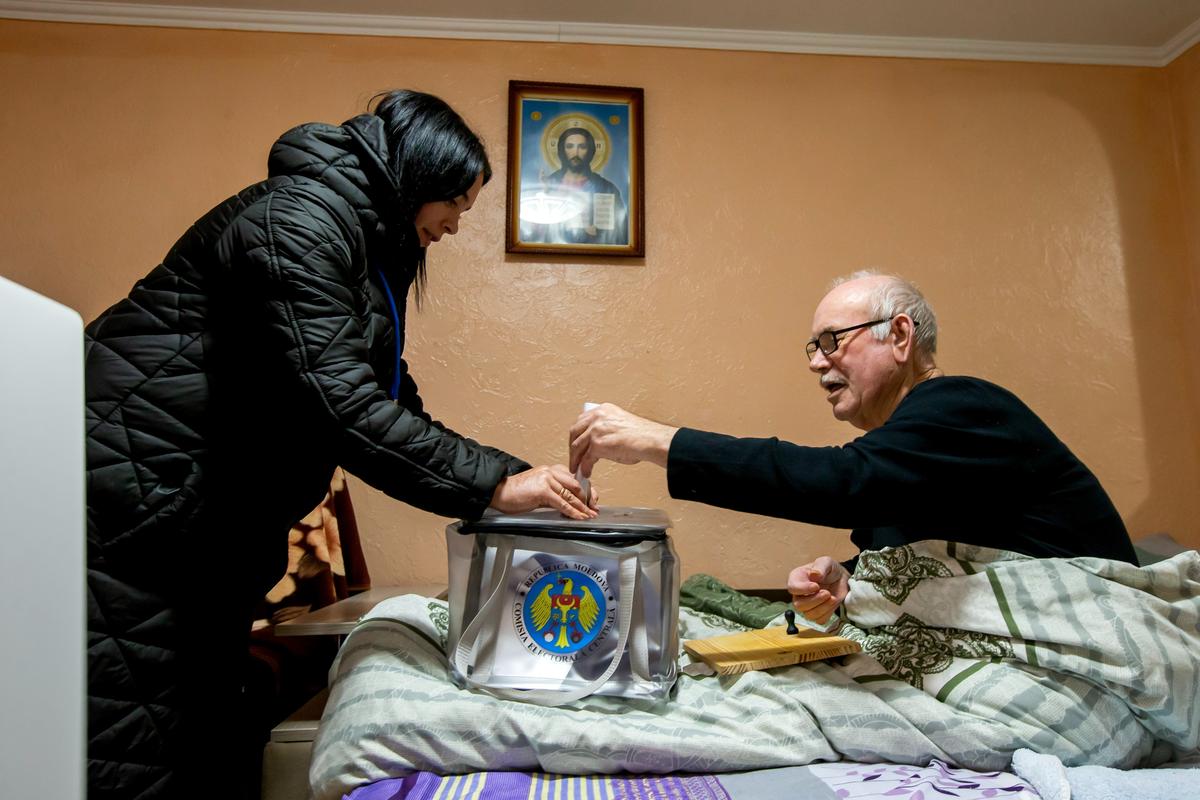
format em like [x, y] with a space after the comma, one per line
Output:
[584, 483]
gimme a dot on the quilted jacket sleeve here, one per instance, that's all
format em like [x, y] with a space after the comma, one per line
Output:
[298, 249]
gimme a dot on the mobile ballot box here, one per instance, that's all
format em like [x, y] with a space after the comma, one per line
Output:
[548, 610]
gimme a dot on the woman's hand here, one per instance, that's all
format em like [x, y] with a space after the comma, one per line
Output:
[545, 487]
[818, 588]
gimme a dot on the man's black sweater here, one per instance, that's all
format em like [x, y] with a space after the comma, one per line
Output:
[960, 459]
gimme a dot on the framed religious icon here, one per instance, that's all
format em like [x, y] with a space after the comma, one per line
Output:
[575, 170]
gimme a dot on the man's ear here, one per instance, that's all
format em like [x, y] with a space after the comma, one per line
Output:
[903, 345]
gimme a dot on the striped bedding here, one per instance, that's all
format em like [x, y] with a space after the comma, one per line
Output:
[840, 781]
[969, 655]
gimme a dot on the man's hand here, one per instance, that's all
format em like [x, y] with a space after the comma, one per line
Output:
[818, 588]
[545, 486]
[608, 431]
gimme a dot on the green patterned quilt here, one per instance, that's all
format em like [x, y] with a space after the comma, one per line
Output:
[969, 654]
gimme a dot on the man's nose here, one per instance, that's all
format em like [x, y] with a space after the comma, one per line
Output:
[818, 361]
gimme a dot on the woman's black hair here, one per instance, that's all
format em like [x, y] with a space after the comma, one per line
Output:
[433, 154]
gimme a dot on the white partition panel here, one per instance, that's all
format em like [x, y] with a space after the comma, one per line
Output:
[42, 615]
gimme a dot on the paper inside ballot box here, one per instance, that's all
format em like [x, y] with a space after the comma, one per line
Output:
[766, 648]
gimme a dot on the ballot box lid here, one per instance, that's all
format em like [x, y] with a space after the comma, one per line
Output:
[614, 523]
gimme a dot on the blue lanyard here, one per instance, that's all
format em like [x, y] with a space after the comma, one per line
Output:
[395, 392]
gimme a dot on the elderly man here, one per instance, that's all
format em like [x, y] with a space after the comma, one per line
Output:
[953, 458]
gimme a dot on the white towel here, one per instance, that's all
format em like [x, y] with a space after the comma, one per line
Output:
[1046, 774]
[1053, 781]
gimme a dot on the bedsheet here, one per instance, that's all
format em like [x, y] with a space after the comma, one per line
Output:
[841, 781]
[969, 655]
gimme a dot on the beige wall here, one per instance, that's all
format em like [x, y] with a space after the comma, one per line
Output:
[1040, 207]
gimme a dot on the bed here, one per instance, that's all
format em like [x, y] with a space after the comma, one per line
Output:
[970, 656]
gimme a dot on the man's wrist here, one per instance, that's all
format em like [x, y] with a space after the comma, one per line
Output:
[661, 446]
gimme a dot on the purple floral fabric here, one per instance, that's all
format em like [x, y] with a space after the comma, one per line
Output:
[900, 782]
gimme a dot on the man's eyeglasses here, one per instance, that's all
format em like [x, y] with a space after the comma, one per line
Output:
[828, 340]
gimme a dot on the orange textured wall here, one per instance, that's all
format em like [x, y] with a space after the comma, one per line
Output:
[1038, 205]
[1183, 75]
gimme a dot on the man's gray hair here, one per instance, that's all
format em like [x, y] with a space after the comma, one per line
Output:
[897, 296]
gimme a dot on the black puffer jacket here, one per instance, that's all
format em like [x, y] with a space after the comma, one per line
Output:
[220, 396]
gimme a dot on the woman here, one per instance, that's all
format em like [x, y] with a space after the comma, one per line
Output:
[222, 392]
